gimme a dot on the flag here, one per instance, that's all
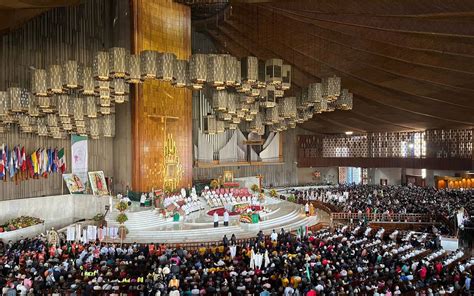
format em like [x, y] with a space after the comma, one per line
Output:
[54, 165]
[23, 159]
[11, 163]
[18, 157]
[34, 162]
[62, 160]
[30, 167]
[2, 163]
[45, 161]
[6, 159]
[50, 160]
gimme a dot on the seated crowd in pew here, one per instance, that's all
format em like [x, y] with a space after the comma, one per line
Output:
[393, 199]
[359, 261]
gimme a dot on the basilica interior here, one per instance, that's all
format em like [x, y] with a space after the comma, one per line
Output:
[236, 147]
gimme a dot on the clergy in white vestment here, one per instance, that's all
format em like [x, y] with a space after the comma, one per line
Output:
[267, 259]
[274, 236]
[142, 200]
[252, 260]
[226, 218]
[111, 203]
[216, 219]
[258, 260]
[233, 251]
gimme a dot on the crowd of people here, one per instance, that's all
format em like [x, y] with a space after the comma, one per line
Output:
[393, 199]
[343, 262]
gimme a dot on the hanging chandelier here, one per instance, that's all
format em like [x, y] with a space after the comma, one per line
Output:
[248, 93]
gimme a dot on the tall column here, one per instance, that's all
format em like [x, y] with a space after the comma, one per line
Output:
[161, 113]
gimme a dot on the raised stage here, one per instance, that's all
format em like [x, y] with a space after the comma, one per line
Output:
[146, 225]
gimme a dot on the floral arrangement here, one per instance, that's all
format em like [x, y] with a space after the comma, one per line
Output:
[122, 218]
[122, 206]
[240, 208]
[214, 184]
[20, 222]
[273, 193]
[255, 188]
[246, 218]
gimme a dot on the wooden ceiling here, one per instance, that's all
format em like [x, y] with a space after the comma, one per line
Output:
[14, 13]
[410, 64]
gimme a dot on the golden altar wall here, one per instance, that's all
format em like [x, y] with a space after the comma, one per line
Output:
[161, 113]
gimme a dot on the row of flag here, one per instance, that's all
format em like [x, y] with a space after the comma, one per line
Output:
[16, 163]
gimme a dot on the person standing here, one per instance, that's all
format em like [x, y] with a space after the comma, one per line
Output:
[216, 219]
[306, 209]
[142, 200]
[226, 218]
[274, 237]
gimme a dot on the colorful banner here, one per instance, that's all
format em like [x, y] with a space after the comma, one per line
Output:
[98, 184]
[79, 157]
[74, 183]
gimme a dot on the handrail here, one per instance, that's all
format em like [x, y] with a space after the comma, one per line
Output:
[410, 217]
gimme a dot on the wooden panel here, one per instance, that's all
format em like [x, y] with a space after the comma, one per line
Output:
[164, 26]
[389, 162]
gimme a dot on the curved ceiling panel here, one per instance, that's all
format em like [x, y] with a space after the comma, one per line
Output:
[410, 65]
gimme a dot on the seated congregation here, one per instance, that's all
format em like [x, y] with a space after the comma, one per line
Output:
[343, 261]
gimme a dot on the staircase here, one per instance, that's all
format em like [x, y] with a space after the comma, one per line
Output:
[146, 225]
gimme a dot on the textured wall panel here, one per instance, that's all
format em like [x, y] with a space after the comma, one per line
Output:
[101, 155]
[276, 175]
[72, 32]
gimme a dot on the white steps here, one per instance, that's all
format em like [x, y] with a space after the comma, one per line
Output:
[146, 225]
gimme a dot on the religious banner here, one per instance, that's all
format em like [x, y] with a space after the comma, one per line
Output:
[71, 233]
[79, 157]
[74, 183]
[98, 184]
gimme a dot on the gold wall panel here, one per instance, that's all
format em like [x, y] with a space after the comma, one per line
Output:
[159, 109]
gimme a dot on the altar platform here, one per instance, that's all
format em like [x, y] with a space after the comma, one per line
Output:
[145, 225]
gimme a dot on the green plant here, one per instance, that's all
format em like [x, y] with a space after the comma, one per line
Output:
[122, 218]
[122, 206]
[255, 188]
[99, 217]
[273, 193]
[291, 198]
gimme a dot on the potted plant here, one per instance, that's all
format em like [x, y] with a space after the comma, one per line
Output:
[122, 218]
[291, 198]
